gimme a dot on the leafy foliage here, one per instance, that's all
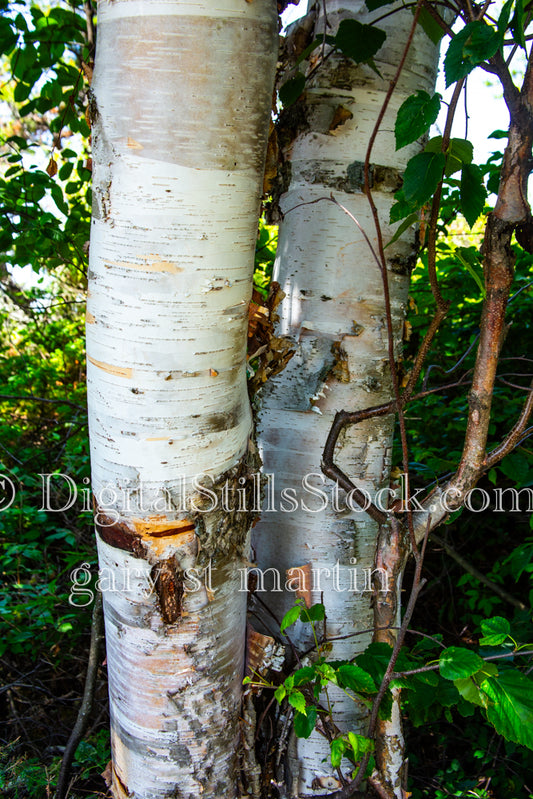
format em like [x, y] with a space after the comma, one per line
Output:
[475, 43]
[45, 528]
[415, 117]
[46, 197]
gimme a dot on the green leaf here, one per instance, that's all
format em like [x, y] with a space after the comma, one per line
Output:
[65, 171]
[498, 134]
[357, 41]
[458, 153]
[360, 744]
[373, 4]
[357, 679]
[466, 709]
[314, 613]
[427, 677]
[297, 701]
[314, 44]
[22, 61]
[470, 691]
[22, 92]
[511, 708]
[327, 673]
[64, 627]
[375, 659]
[503, 19]
[457, 662]
[516, 467]
[464, 256]
[447, 693]
[8, 37]
[473, 193]
[461, 150]
[474, 44]
[59, 200]
[495, 631]
[469, 687]
[421, 703]
[292, 89]
[415, 116]
[517, 24]
[305, 724]
[290, 617]
[305, 674]
[412, 219]
[401, 209]
[422, 176]
[338, 747]
[430, 26]
[280, 693]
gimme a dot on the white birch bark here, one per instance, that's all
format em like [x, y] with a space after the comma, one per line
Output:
[334, 310]
[180, 108]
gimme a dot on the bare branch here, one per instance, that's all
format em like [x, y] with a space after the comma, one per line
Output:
[471, 569]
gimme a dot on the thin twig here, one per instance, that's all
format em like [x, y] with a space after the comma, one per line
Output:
[30, 398]
[435, 666]
[86, 705]
[468, 567]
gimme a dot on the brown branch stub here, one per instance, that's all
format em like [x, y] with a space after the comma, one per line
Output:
[168, 583]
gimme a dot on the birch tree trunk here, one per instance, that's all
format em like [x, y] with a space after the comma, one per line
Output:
[334, 310]
[180, 108]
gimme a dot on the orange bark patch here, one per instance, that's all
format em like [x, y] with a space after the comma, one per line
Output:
[299, 581]
[120, 371]
[340, 116]
[159, 533]
[157, 265]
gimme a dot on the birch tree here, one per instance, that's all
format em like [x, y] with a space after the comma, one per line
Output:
[335, 312]
[180, 106]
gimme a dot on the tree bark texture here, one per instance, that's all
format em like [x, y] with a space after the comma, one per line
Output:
[180, 109]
